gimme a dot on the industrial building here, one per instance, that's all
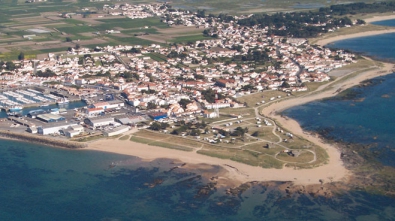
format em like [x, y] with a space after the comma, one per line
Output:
[53, 128]
[116, 131]
[94, 111]
[34, 113]
[157, 115]
[124, 120]
[99, 122]
[50, 118]
[73, 130]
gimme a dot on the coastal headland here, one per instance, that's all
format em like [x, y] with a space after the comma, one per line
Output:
[237, 173]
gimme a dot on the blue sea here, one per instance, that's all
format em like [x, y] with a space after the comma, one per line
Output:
[45, 183]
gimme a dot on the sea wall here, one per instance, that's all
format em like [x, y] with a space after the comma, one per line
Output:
[42, 140]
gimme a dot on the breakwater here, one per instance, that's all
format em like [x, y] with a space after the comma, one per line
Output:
[42, 140]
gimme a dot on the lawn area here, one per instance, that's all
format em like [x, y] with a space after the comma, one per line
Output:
[152, 135]
[170, 146]
[126, 137]
[77, 29]
[254, 98]
[157, 57]
[304, 157]
[141, 30]
[129, 40]
[140, 140]
[242, 156]
[184, 141]
[260, 147]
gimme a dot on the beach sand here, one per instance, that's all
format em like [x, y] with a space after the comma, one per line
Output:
[379, 18]
[326, 41]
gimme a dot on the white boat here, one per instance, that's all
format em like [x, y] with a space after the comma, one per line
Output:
[15, 108]
[44, 105]
[62, 101]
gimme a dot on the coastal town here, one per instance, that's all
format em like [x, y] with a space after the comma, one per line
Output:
[187, 80]
[198, 110]
[210, 96]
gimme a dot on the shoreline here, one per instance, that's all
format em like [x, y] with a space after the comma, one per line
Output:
[325, 41]
[379, 18]
[238, 173]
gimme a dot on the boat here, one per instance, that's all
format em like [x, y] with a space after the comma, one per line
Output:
[44, 105]
[15, 108]
[62, 101]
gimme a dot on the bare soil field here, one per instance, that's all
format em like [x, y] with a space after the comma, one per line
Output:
[183, 30]
[157, 38]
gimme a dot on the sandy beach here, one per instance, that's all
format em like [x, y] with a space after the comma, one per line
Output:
[238, 172]
[326, 41]
[379, 18]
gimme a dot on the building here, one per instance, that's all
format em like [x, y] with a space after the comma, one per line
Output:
[53, 128]
[207, 114]
[34, 113]
[73, 130]
[99, 122]
[32, 129]
[94, 111]
[124, 120]
[157, 115]
[116, 131]
[50, 118]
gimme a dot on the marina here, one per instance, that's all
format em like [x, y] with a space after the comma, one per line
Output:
[16, 100]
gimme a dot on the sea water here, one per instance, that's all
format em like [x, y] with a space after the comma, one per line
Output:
[44, 183]
[364, 116]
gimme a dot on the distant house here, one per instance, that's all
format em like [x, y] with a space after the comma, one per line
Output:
[225, 83]
[207, 114]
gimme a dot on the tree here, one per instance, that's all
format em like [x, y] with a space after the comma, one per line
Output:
[68, 39]
[21, 56]
[155, 126]
[9, 65]
[151, 105]
[255, 134]
[195, 132]
[184, 102]
[77, 46]
[285, 85]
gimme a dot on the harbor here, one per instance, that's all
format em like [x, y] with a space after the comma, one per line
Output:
[18, 99]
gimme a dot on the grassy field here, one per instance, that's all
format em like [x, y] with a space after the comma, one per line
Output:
[127, 23]
[253, 99]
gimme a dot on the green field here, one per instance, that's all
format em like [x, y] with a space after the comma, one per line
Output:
[127, 23]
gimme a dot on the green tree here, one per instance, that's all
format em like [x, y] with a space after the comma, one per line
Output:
[21, 56]
[9, 65]
[151, 105]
